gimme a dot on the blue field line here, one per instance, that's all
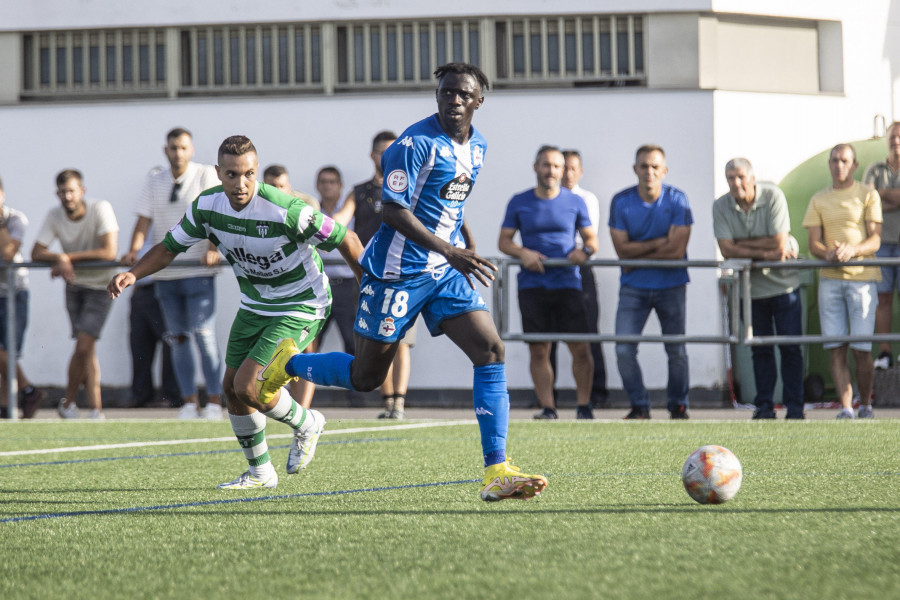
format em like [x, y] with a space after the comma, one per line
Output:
[133, 509]
[174, 454]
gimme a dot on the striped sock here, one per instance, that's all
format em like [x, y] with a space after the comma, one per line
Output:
[251, 434]
[288, 411]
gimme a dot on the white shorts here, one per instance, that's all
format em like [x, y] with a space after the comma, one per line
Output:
[847, 308]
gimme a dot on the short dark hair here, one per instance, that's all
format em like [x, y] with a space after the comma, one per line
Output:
[647, 148]
[546, 148]
[236, 145]
[274, 171]
[567, 154]
[841, 147]
[177, 133]
[464, 69]
[383, 136]
[67, 174]
[330, 169]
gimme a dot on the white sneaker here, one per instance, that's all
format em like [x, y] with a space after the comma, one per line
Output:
[865, 412]
[188, 411]
[246, 481]
[212, 412]
[67, 412]
[883, 362]
[303, 447]
[97, 414]
[846, 413]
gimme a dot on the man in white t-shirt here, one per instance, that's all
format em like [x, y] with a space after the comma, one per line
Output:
[187, 295]
[86, 231]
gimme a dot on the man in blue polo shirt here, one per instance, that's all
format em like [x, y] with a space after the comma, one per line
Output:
[547, 217]
[651, 220]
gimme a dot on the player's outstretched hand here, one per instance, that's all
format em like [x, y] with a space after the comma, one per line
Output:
[471, 265]
[118, 284]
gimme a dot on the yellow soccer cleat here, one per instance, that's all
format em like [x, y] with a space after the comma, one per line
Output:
[273, 376]
[504, 481]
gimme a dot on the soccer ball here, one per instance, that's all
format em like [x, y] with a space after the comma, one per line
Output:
[712, 475]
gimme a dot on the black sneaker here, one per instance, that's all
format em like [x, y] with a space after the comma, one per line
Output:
[638, 413]
[546, 414]
[31, 402]
[680, 412]
[584, 412]
[764, 413]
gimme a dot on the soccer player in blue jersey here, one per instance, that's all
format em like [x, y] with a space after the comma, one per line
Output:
[418, 263]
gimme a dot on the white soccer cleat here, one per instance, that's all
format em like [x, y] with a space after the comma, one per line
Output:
[248, 482]
[303, 447]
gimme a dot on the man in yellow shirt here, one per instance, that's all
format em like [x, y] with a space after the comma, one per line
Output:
[844, 224]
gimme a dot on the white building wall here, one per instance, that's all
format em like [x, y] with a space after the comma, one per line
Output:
[115, 144]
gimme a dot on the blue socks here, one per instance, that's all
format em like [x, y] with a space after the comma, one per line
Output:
[332, 369]
[491, 403]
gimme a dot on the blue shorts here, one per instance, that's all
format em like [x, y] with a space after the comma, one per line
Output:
[387, 309]
[21, 322]
[889, 274]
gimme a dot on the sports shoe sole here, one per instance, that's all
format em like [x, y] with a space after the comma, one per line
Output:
[520, 488]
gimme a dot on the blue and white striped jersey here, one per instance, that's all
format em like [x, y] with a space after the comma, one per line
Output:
[431, 175]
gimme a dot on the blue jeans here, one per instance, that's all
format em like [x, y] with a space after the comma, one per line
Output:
[634, 309]
[785, 312]
[189, 308]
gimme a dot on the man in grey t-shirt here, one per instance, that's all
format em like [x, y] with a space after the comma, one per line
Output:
[885, 178]
[752, 221]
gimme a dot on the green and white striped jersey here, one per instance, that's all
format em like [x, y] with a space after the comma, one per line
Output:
[269, 244]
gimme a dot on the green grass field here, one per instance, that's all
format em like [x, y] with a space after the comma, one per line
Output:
[395, 513]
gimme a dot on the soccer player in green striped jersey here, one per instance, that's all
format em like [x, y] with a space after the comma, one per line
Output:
[270, 240]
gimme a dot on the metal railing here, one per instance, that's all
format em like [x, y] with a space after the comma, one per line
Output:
[733, 271]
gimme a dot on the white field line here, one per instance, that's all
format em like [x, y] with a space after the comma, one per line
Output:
[231, 438]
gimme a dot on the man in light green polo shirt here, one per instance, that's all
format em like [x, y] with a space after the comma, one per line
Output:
[752, 221]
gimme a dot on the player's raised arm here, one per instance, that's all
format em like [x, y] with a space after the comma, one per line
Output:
[156, 259]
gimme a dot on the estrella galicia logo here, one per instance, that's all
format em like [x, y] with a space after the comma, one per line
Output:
[457, 189]
[262, 229]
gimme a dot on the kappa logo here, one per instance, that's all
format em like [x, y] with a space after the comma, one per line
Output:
[362, 325]
[397, 180]
[364, 306]
[445, 152]
[367, 291]
[483, 411]
[407, 141]
[477, 155]
[262, 229]
[386, 328]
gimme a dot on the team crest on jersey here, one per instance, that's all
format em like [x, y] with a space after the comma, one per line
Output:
[397, 181]
[386, 328]
[445, 152]
[362, 325]
[457, 189]
[364, 306]
[367, 291]
[477, 156]
[262, 229]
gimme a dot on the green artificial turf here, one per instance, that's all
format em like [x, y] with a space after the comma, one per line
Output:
[388, 513]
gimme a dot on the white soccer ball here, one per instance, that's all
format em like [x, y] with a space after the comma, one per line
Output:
[712, 475]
